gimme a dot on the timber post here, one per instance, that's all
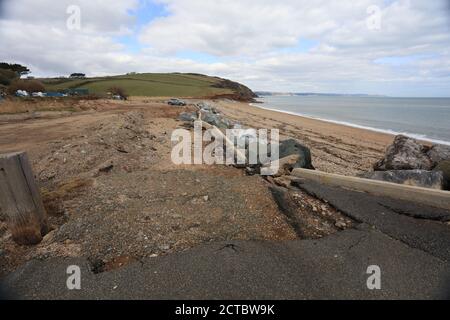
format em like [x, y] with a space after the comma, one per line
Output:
[20, 199]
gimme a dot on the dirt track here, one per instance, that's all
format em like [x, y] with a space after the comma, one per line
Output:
[114, 196]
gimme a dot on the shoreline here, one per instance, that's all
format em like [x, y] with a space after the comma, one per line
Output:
[336, 148]
[420, 137]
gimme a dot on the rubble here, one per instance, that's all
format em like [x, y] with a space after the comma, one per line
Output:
[109, 198]
[210, 115]
[408, 162]
[122, 140]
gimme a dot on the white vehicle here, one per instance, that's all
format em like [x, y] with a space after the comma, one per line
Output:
[38, 94]
[22, 93]
[176, 102]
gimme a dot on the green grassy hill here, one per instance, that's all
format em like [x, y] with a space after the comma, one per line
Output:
[157, 84]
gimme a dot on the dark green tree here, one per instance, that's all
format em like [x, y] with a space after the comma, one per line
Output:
[77, 75]
[7, 76]
[18, 68]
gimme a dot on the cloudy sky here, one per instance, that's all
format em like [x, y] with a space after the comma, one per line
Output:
[391, 47]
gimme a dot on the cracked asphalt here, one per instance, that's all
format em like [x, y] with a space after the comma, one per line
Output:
[409, 242]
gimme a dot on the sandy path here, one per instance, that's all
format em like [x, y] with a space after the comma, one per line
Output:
[143, 205]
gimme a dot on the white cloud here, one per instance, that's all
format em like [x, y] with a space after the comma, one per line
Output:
[257, 42]
[110, 17]
[233, 28]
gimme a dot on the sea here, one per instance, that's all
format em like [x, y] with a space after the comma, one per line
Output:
[421, 118]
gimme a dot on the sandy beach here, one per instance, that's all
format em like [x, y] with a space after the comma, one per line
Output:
[94, 166]
[335, 148]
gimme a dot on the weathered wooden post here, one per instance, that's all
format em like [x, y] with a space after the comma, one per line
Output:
[20, 199]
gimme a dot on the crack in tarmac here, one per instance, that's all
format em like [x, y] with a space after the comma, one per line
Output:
[442, 219]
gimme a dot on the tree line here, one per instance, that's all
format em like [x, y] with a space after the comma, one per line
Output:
[10, 74]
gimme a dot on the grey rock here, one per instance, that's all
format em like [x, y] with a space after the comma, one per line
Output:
[211, 118]
[340, 224]
[251, 171]
[205, 107]
[164, 247]
[418, 178]
[439, 153]
[444, 167]
[293, 147]
[404, 154]
[287, 164]
[188, 116]
[49, 237]
[217, 120]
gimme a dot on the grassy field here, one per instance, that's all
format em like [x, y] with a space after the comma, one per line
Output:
[146, 84]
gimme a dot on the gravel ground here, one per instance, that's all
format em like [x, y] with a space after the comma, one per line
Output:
[113, 195]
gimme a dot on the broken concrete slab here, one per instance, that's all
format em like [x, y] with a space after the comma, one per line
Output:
[430, 197]
[418, 178]
[425, 232]
[330, 268]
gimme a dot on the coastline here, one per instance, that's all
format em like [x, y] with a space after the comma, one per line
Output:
[335, 147]
[420, 137]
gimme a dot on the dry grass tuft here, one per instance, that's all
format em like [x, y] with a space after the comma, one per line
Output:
[53, 200]
[29, 105]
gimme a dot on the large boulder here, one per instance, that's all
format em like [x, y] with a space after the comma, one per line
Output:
[292, 155]
[293, 147]
[405, 154]
[217, 120]
[188, 116]
[285, 165]
[418, 178]
[205, 107]
[439, 153]
[444, 167]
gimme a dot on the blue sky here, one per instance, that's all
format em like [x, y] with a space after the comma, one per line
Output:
[144, 13]
[288, 45]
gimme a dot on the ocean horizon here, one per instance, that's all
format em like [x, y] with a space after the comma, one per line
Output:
[425, 119]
